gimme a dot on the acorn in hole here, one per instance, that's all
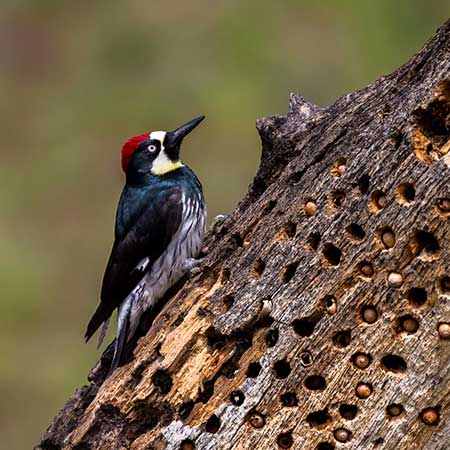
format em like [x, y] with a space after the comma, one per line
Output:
[408, 323]
[429, 416]
[310, 208]
[443, 206]
[395, 279]
[388, 238]
[256, 419]
[363, 390]
[361, 360]
[394, 410]
[342, 435]
[366, 269]
[369, 314]
[378, 201]
[444, 330]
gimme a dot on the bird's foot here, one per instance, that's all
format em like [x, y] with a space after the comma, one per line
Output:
[218, 221]
[191, 266]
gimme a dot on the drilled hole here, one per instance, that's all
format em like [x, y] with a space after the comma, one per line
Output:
[310, 207]
[185, 410]
[347, 411]
[342, 435]
[417, 296]
[378, 441]
[313, 241]
[214, 339]
[225, 275]
[356, 232]
[378, 201]
[270, 206]
[444, 285]
[336, 199]
[212, 424]
[330, 304]
[364, 183]
[394, 410]
[290, 229]
[306, 359]
[405, 193]
[394, 363]
[228, 301]
[289, 272]
[295, 177]
[363, 390]
[284, 440]
[187, 444]
[258, 268]
[325, 446]
[289, 399]
[365, 269]
[272, 337]
[369, 314]
[255, 419]
[253, 369]
[162, 381]
[236, 237]
[361, 360]
[443, 206]
[342, 338]
[408, 324]
[319, 419]
[315, 383]
[339, 166]
[282, 369]
[424, 244]
[331, 254]
[303, 327]
[386, 237]
[237, 398]
[430, 416]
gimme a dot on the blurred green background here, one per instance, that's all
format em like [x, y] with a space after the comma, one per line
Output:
[78, 78]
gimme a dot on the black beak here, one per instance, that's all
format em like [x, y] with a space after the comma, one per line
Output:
[174, 138]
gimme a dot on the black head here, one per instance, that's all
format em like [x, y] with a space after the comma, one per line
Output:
[157, 152]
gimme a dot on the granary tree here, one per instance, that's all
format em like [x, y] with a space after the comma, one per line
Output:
[320, 317]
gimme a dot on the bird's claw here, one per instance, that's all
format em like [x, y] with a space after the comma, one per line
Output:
[191, 266]
[218, 221]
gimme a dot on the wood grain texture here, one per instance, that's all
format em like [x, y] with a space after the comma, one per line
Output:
[319, 315]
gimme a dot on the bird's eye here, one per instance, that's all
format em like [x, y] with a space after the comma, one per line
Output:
[152, 148]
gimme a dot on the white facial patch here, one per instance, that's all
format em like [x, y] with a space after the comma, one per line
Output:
[162, 164]
[159, 136]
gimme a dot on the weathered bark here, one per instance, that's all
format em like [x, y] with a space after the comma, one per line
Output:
[267, 346]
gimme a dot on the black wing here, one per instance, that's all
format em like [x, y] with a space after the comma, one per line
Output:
[148, 238]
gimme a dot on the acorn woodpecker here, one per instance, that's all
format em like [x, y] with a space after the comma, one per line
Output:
[159, 229]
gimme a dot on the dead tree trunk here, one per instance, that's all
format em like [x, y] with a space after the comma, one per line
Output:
[321, 317]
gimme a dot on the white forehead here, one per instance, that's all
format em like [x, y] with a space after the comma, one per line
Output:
[159, 136]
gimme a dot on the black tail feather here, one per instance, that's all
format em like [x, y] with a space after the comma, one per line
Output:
[101, 314]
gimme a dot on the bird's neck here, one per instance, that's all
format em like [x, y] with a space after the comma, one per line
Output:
[139, 178]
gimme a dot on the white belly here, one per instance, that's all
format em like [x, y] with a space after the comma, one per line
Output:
[170, 266]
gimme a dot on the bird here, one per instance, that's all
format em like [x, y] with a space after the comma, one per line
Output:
[159, 228]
